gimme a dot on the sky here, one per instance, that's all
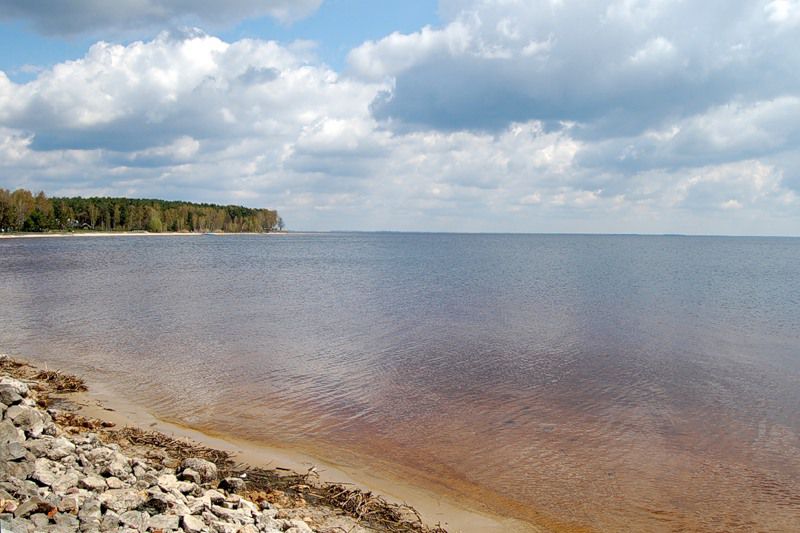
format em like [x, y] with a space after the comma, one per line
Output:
[621, 116]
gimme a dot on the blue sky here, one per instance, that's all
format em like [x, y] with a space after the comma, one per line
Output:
[644, 116]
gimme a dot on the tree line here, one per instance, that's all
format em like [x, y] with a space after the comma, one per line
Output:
[21, 210]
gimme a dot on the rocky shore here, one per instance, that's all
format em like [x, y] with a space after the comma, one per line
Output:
[62, 472]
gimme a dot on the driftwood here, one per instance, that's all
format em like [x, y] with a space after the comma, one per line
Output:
[275, 485]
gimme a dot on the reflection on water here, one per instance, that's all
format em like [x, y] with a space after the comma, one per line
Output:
[618, 383]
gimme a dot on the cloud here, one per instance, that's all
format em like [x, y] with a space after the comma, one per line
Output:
[54, 17]
[619, 67]
[505, 131]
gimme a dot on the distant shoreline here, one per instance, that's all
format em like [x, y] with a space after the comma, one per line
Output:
[61, 234]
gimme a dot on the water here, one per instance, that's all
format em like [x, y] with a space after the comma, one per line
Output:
[612, 382]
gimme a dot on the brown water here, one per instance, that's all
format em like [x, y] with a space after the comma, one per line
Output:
[601, 382]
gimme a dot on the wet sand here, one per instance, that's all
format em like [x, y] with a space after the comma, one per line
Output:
[455, 514]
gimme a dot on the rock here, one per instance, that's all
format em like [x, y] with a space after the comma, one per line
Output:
[118, 466]
[66, 522]
[66, 481]
[69, 504]
[28, 419]
[93, 482]
[110, 521]
[223, 527]
[90, 510]
[206, 469]
[298, 526]
[167, 481]
[15, 385]
[214, 496]
[45, 471]
[232, 484]
[135, 519]
[121, 500]
[60, 448]
[9, 396]
[33, 505]
[156, 502]
[39, 521]
[12, 451]
[164, 522]
[192, 524]
[189, 474]
[115, 483]
[10, 433]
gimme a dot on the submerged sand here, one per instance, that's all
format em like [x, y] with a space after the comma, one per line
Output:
[453, 513]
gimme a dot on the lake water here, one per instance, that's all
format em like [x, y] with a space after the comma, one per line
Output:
[614, 382]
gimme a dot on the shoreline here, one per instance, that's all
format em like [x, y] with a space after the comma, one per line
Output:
[453, 511]
[69, 234]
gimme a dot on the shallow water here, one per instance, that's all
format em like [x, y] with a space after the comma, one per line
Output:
[613, 382]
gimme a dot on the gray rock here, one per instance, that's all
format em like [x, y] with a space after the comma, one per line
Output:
[39, 521]
[135, 520]
[15, 525]
[90, 510]
[69, 504]
[66, 481]
[67, 522]
[156, 502]
[60, 448]
[192, 524]
[10, 433]
[15, 385]
[298, 526]
[9, 396]
[206, 469]
[33, 505]
[191, 475]
[214, 496]
[167, 481]
[232, 484]
[164, 522]
[122, 500]
[115, 483]
[223, 527]
[93, 482]
[12, 451]
[45, 471]
[28, 419]
[110, 521]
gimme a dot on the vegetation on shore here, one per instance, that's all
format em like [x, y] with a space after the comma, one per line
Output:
[23, 211]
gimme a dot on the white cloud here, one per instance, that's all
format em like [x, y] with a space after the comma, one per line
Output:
[515, 120]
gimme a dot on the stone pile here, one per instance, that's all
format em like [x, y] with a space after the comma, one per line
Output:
[52, 481]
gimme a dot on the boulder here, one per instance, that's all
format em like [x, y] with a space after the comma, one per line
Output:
[15, 385]
[121, 500]
[206, 469]
[93, 482]
[10, 433]
[135, 519]
[192, 524]
[45, 471]
[164, 522]
[28, 419]
[9, 395]
[232, 484]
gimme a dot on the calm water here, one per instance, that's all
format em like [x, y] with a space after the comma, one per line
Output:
[615, 382]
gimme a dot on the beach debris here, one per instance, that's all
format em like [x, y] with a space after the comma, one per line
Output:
[65, 472]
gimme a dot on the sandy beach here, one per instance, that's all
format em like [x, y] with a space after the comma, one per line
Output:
[445, 508]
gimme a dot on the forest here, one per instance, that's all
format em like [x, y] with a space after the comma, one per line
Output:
[22, 210]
